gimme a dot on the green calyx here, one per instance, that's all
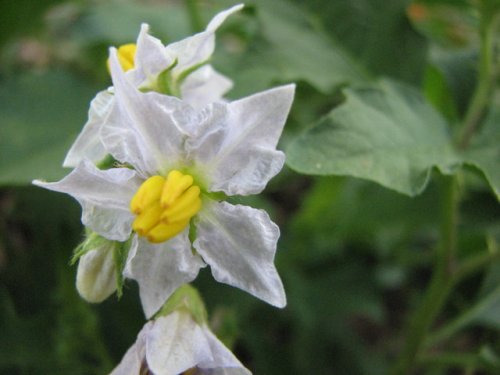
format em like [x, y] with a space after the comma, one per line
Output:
[169, 83]
[94, 241]
[186, 299]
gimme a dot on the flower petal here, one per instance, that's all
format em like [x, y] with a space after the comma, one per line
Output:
[175, 344]
[88, 144]
[205, 86]
[161, 268]
[222, 360]
[236, 144]
[220, 17]
[144, 129]
[103, 195]
[198, 48]
[150, 58]
[239, 244]
[132, 361]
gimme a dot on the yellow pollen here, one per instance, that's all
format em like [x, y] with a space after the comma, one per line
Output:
[126, 56]
[164, 207]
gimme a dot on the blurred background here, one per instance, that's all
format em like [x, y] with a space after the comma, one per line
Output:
[354, 256]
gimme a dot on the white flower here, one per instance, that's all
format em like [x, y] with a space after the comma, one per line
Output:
[173, 344]
[191, 55]
[226, 148]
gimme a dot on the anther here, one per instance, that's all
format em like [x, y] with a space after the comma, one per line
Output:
[164, 207]
[175, 185]
[149, 192]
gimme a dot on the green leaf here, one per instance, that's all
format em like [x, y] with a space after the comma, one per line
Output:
[438, 92]
[376, 32]
[484, 153]
[385, 133]
[289, 48]
[40, 115]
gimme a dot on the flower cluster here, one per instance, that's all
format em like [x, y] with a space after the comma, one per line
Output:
[152, 166]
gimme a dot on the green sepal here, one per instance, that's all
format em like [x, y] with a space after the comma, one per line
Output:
[92, 241]
[186, 299]
[107, 162]
[192, 235]
[217, 196]
[164, 83]
[120, 255]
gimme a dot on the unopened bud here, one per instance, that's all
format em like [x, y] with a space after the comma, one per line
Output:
[96, 275]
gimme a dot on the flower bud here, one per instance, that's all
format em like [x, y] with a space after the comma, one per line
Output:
[96, 275]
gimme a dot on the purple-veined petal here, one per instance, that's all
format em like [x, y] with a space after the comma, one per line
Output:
[239, 245]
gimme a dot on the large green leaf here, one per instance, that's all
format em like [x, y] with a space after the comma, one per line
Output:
[386, 133]
[378, 33]
[40, 115]
[287, 47]
[484, 153]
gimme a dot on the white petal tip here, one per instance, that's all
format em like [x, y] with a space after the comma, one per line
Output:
[221, 17]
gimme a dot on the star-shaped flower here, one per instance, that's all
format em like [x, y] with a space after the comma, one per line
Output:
[177, 163]
[177, 344]
[181, 69]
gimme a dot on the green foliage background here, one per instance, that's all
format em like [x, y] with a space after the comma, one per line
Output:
[382, 86]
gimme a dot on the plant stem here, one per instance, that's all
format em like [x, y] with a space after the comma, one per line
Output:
[475, 264]
[464, 319]
[194, 15]
[486, 80]
[460, 360]
[441, 283]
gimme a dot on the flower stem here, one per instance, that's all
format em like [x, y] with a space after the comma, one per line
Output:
[488, 72]
[441, 283]
[194, 15]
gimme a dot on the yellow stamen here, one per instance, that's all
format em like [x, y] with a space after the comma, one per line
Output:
[149, 192]
[163, 232]
[175, 185]
[164, 207]
[126, 56]
[147, 220]
[186, 206]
